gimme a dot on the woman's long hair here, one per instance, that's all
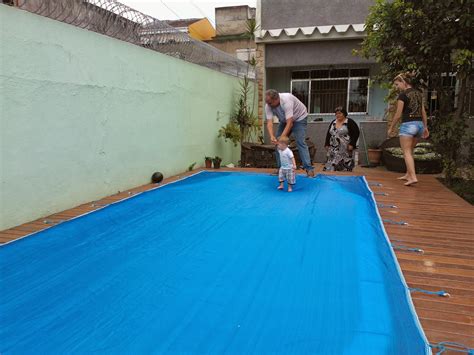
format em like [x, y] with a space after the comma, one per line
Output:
[407, 77]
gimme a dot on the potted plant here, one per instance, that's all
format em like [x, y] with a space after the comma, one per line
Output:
[374, 153]
[217, 162]
[208, 161]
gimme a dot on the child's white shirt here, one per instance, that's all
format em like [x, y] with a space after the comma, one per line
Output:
[286, 158]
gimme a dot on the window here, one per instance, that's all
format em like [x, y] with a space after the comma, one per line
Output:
[358, 91]
[326, 95]
[449, 81]
[323, 90]
[301, 90]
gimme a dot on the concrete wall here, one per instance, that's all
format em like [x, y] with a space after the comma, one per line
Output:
[232, 20]
[84, 115]
[300, 13]
[231, 46]
[313, 53]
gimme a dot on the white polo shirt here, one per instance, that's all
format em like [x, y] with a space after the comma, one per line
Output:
[289, 107]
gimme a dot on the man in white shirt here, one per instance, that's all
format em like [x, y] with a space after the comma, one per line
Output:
[293, 117]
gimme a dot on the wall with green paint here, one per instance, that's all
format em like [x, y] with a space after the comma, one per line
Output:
[84, 115]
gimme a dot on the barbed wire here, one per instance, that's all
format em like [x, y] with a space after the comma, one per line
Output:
[114, 19]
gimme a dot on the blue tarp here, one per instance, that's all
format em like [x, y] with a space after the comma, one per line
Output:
[216, 263]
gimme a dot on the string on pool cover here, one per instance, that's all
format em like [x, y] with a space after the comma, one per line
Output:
[375, 184]
[390, 221]
[48, 221]
[405, 248]
[381, 205]
[99, 204]
[433, 293]
[380, 194]
[451, 346]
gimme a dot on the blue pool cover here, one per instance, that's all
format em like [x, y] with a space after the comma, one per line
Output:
[215, 263]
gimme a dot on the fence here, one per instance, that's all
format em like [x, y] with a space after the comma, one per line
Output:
[119, 21]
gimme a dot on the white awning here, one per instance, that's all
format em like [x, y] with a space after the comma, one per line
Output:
[311, 33]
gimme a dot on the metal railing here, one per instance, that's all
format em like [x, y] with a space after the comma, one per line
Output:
[119, 21]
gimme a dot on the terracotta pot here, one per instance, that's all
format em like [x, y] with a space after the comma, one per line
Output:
[208, 164]
[217, 165]
[374, 156]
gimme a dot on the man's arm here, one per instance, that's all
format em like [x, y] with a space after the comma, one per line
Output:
[269, 117]
[290, 118]
[288, 126]
[270, 131]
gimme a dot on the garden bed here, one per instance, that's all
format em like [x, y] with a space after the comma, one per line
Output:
[427, 161]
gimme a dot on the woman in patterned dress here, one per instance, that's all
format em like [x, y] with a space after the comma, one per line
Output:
[341, 139]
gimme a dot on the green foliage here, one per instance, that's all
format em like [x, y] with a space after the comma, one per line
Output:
[448, 134]
[250, 28]
[430, 38]
[253, 62]
[191, 167]
[243, 123]
[217, 160]
[231, 131]
[207, 158]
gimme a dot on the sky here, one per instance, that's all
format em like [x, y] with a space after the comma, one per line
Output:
[174, 9]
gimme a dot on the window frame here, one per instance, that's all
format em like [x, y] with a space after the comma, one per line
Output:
[349, 78]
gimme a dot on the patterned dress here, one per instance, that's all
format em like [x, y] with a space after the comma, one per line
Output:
[339, 158]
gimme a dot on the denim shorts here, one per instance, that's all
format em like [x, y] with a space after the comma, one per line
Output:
[412, 129]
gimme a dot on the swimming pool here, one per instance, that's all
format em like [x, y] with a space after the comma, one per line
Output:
[215, 263]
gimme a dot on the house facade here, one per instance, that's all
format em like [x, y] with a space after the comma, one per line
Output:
[306, 47]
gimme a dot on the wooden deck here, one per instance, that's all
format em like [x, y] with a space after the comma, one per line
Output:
[439, 222]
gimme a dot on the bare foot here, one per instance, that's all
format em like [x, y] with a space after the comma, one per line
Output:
[404, 177]
[280, 187]
[411, 182]
[290, 189]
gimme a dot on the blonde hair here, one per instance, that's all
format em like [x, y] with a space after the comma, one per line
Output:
[405, 77]
[284, 140]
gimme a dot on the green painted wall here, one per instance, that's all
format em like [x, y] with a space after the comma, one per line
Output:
[84, 115]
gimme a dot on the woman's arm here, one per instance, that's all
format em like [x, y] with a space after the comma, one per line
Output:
[328, 135]
[353, 133]
[396, 117]
[426, 133]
